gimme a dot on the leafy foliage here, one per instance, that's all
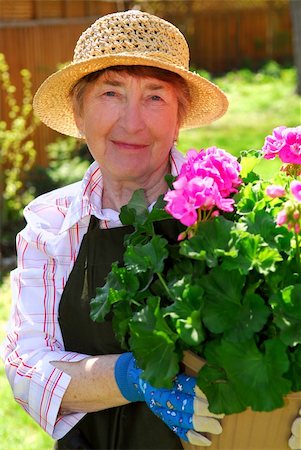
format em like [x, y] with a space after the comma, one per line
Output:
[68, 160]
[230, 293]
[17, 153]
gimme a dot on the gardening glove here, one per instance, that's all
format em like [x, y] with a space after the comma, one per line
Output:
[183, 408]
[295, 439]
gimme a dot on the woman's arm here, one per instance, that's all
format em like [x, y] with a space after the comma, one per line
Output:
[45, 258]
[92, 386]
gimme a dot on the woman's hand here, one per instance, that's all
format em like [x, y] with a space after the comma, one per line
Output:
[295, 439]
[183, 408]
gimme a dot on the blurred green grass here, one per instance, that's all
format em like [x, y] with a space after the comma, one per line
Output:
[258, 103]
[17, 430]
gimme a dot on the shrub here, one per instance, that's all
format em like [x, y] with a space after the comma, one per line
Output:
[68, 159]
[17, 153]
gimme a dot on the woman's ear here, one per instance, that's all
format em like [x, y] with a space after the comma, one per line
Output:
[78, 118]
[80, 126]
[176, 136]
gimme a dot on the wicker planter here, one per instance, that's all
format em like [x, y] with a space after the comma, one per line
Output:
[250, 430]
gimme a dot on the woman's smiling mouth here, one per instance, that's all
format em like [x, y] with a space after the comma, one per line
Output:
[129, 145]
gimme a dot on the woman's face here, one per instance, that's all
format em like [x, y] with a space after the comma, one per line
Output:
[130, 124]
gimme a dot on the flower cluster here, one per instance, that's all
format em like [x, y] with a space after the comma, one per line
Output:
[290, 214]
[285, 143]
[205, 183]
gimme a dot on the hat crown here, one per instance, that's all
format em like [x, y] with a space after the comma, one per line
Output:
[133, 33]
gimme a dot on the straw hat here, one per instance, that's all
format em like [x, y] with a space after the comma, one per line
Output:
[127, 38]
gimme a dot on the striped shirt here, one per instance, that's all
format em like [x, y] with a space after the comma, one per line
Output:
[47, 249]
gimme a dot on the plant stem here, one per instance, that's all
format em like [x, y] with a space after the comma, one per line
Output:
[204, 215]
[164, 285]
[298, 252]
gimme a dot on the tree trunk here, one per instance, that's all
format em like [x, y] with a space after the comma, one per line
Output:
[295, 7]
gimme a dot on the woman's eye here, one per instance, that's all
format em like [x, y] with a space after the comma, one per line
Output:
[110, 94]
[156, 98]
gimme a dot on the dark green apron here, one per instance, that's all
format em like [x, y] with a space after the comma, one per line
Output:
[129, 427]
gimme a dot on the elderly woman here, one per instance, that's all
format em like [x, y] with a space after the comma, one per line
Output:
[127, 92]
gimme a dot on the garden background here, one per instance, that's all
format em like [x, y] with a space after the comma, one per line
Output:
[262, 95]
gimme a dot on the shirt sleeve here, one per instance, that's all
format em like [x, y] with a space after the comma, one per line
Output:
[34, 338]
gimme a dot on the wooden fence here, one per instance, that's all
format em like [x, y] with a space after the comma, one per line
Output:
[222, 34]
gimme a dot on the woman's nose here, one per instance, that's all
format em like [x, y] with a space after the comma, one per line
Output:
[132, 117]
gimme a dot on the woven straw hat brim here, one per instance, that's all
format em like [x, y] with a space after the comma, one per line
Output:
[52, 102]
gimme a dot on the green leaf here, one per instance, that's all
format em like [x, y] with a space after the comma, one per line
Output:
[251, 197]
[183, 266]
[248, 163]
[136, 211]
[185, 312]
[170, 179]
[121, 285]
[158, 212]
[266, 260]
[285, 275]
[220, 393]
[287, 312]
[294, 372]
[122, 316]
[153, 344]
[211, 240]
[263, 223]
[221, 293]
[241, 316]
[256, 378]
[190, 329]
[182, 288]
[250, 318]
[151, 256]
[100, 306]
[252, 253]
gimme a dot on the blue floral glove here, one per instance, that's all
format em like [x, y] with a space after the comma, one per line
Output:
[182, 408]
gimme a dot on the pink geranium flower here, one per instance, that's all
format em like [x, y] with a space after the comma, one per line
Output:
[273, 143]
[215, 163]
[275, 191]
[284, 143]
[205, 182]
[180, 207]
[290, 151]
[281, 218]
[296, 190]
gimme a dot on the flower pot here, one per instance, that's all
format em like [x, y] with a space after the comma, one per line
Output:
[250, 430]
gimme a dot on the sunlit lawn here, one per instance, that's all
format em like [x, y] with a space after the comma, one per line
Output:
[257, 104]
